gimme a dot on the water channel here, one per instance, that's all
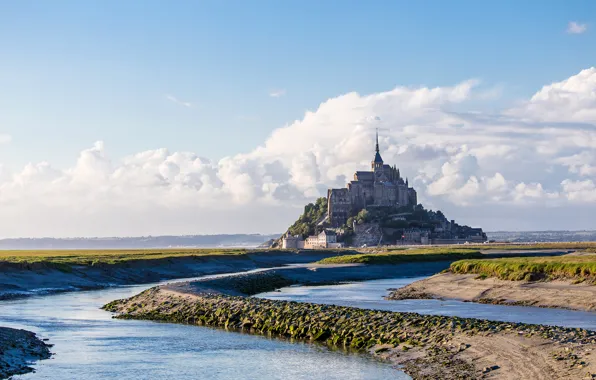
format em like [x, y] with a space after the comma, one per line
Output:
[90, 344]
[369, 295]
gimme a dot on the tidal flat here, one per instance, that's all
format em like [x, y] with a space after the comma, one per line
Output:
[425, 346]
[461, 351]
[565, 282]
[18, 350]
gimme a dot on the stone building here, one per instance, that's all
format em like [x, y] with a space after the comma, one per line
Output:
[325, 239]
[381, 186]
[292, 242]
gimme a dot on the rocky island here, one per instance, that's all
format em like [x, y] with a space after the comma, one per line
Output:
[378, 207]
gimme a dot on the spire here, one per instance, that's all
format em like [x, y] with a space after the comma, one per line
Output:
[406, 181]
[377, 146]
[378, 160]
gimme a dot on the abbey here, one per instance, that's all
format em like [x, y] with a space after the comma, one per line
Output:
[382, 186]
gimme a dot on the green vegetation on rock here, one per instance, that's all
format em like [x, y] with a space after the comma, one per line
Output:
[330, 324]
[307, 222]
[415, 217]
[579, 246]
[405, 255]
[578, 268]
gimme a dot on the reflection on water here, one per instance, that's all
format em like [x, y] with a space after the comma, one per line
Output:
[91, 345]
[370, 295]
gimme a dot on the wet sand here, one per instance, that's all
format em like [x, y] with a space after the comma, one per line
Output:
[18, 349]
[427, 347]
[23, 279]
[468, 287]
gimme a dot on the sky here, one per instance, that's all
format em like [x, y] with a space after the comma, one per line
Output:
[199, 117]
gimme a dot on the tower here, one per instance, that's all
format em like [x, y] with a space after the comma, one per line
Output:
[377, 163]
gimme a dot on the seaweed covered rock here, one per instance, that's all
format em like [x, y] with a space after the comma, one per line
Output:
[335, 325]
[425, 346]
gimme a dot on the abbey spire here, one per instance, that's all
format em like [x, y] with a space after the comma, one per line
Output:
[380, 187]
[378, 161]
[377, 146]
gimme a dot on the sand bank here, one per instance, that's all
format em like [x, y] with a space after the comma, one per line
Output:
[469, 287]
[23, 279]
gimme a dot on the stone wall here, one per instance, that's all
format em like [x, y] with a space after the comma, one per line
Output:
[369, 234]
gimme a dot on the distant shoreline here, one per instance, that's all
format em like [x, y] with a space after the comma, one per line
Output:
[140, 242]
[245, 240]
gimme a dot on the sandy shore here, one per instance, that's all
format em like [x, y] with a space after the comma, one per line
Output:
[18, 349]
[467, 287]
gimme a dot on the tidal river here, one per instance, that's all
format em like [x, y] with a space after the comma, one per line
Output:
[369, 295]
[89, 344]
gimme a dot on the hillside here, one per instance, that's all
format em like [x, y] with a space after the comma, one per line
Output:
[393, 224]
[307, 223]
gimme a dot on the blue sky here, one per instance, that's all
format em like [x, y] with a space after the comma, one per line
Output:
[73, 72]
[496, 124]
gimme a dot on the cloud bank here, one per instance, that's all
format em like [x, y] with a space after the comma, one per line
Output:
[527, 167]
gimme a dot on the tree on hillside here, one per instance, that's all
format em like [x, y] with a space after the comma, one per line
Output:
[306, 223]
[362, 217]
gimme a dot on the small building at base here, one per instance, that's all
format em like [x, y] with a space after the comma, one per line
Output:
[325, 239]
[292, 242]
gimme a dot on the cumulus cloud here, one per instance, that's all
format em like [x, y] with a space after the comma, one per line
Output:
[579, 191]
[525, 167]
[576, 28]
[571, 102]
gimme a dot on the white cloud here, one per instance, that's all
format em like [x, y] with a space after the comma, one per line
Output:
[174, 99]
[576, 28]
[277, 93]
[582, 163]
[531, 166]
[580, 191]
[569, 101]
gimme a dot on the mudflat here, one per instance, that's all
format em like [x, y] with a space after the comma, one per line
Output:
[24, 278]
[425, 346]
[470, 287]
[18, 349]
